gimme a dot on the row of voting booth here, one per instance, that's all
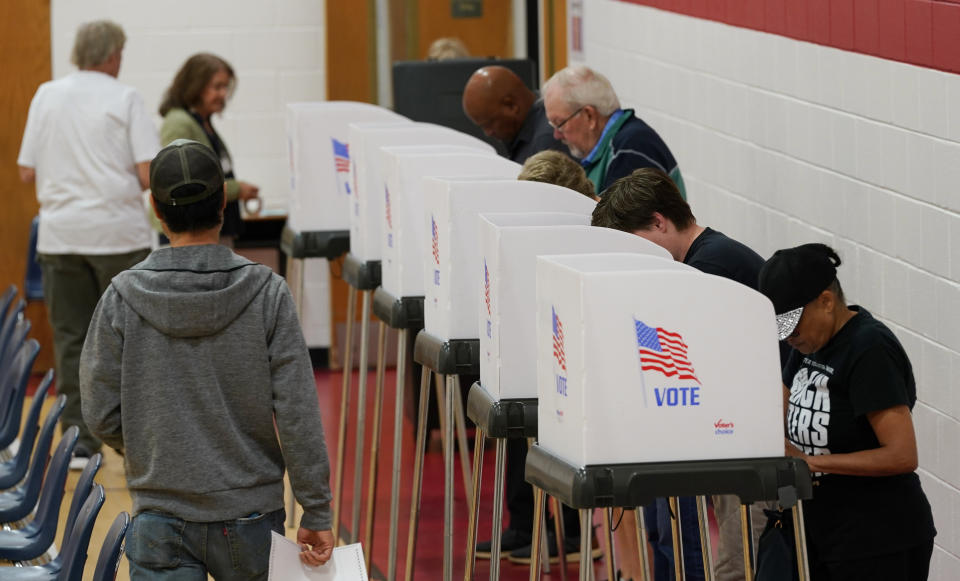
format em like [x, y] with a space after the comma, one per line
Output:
[635, 376]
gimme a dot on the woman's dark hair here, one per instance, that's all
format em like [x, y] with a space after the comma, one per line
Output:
[630, 202]
[187, 88]
[196, 217]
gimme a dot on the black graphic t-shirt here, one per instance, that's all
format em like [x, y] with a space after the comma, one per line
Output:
[862, 369]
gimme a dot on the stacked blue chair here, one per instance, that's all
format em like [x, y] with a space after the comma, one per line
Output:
[6, 299]
[13, 470]
[109, 559]
[14, 381]
[69, 565]
[33, 283]
[8, 345]
[37, 535]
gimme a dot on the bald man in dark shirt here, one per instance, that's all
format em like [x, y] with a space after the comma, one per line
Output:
[498, 102]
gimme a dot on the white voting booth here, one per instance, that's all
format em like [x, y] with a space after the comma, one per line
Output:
[510, 244]
[642, 359]
[404, 225]
[367, 215]
[451, 207]
[319, 149]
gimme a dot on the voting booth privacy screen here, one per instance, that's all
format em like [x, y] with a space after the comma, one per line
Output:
[451, 210]
[367, 214]
[432, 91]
[404, 224]
[643, 359]
[319, 155]
[510, 244]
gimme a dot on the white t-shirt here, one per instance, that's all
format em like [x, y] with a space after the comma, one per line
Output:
[85, 134]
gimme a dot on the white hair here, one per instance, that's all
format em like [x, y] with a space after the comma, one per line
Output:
[580, 85]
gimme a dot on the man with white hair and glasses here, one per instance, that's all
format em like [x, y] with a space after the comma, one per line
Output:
[609, 141]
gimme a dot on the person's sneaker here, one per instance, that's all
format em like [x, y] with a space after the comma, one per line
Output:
[80, 459]
[510, 540]
[571, 547]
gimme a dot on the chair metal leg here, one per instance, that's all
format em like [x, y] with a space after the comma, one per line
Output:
[586, 544]
[536, 547]
[561, 536]
[499, 476]
[705, 544]
[344, 409]
[677, 537]
[461, 429]
[417, 492]
[800, 539]
[608, 542]
[397, 453]
[448, 480]
[372, 472]
[642, 542]
[746, 529]
[474, 498]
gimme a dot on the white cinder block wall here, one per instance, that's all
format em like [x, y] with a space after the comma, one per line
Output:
[783, 142]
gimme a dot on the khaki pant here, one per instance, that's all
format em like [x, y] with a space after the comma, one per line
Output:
[729, 565]
[72, 285]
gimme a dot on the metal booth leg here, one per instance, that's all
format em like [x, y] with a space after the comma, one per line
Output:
[461, 430]
[361, 420]
[586, 544]
[448, 480]
[474, 498]
[608, 541]
[705, 544]
[397, 453]
[677, 537]
[642, 542]
[800, 539]
[417, 491]
[375, 446]
[560, 535]
[344, 408]
[536, 547]
[746, 529]
[499, 476]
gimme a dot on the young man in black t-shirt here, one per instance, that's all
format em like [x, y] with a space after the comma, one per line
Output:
[647, 203]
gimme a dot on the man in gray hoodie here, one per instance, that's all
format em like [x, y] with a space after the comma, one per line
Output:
[195, 368]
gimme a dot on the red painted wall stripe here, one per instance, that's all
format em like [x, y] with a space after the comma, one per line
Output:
[920, 32]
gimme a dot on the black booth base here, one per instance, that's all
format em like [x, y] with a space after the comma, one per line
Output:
[398, 312]
[504, 418]
[631, 485]
[453, 357]
[362, 275]
[327, 244]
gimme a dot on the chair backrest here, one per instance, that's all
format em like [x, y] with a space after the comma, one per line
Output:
[6, 299]
[31, 488]
[84, 485]
[33, 280]
[109, 559]
[18, 464]
[7, 346]
[75, 555]
[12, 402]
[44, 524]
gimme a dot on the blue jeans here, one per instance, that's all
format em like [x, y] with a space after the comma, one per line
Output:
[657, 520]
[162, 547]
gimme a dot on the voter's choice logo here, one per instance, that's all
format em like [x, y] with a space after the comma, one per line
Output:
[435, 247]
[341, 166]
[388, 215]
[664, 354]
[723, 427]
[486, 297]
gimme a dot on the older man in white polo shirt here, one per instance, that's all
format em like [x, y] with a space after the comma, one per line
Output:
[87, 145]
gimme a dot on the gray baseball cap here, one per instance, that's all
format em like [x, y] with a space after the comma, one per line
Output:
[185, 172]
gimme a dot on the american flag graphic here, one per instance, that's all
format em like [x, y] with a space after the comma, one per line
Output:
[486, 285]
[436, 245]
[341, 156]
[386, 192]
[558, 352]
[663, 351]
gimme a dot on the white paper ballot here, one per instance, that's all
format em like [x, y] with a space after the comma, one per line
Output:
[345, 565]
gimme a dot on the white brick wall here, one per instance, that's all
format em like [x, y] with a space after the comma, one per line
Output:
[783, 142]
[277, 50]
